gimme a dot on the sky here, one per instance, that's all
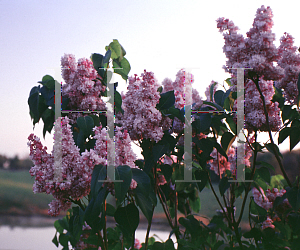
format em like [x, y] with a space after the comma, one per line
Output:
[159, 36]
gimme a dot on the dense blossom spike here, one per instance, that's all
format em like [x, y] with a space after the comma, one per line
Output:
[141, 119]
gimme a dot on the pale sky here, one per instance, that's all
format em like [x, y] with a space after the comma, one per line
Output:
[159, 36]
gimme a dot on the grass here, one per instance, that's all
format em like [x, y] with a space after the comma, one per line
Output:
[17, 197]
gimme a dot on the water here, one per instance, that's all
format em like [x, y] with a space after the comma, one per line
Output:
[40, 238]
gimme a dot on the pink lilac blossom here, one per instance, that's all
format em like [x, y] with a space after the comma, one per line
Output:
[75, 169]
[290, 62]
[75, 175]
[141, 119]
[137, 244]
[81, 245]
[219, 164]
[265, 200]
[183, 80]
[82, 88]
[257, 51]
[124, 154]
[254, 111]
[223, 164]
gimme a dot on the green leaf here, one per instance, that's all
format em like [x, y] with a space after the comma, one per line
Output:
[202, 177]
[144, 203]
[192, 225]
[202, 122]
[195, 205]
[265, 164]
[215, 105]
[283, 134]
[76, 222]
[159, 150]
[122, 173]
[294, 134]
[48, 119]
[167, 171]
[54, 240]
[227, 140]
[63, 240]
[97, 60]
[110, 209]
[218, 97]
[33, 102]
[118, 103]
[278, 97]
[277, 181]
[270, 148]
[229, 82]
[256, 209]
[264, 174]
[99, 173]
[142, 180]
[219, 148]
[293, 196]
[86, 125]
[231, 124]
[166, 100]
[48, 82]
[122, 67]
[94, 209]
[257, 146]
[128, 218]
[294, 223]
[253, 233]
[168, 245]
[107, 56]
[298, 85]
[116, 50]
[211, 90]
[224, 185]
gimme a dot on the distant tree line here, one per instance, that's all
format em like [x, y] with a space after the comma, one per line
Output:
[14, 163]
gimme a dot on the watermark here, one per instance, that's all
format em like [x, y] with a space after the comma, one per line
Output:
[110, 126]
[188, 175]
[240, 170]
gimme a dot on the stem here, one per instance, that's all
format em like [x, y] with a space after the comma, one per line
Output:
[218, 200]
[101, 240]
[237, 235]
[104, 229]
[148, 230]
[133, 240]
[77, 203]
[153, 207]
[176, 207]
[249, 185]
[270, 135]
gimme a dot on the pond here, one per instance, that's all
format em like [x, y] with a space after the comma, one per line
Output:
[36, 233]
[37, 238]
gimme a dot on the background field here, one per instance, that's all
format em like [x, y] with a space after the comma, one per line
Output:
[17, 197]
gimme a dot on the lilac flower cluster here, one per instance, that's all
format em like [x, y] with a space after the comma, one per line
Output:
[82, 88]
[75, 169]
[183, 80]
[254, 112]
[290, 62]
[141, 119]
[265, 200]
[258, 52]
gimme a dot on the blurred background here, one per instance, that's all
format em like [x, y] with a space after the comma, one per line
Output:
[159, 36]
